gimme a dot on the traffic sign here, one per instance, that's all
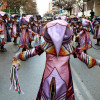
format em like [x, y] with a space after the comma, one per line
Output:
[61, 11]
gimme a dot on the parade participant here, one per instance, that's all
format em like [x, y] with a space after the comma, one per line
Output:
[84, 36]
[54, 17]
[32, 23]
[5, 37]
[94, 23]
[57, 81]
[79, 26]
[78, 30]
[74, 25]
[1, 35]
[39, 27]
[32, 30]
[45, 21]
[49, 19]
[24, 38]
[97, 31]
[15, 28]
[19, 17]
[39, 24]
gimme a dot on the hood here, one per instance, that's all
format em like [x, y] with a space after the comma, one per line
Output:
[58, 33]
[24, 20]
[85, 22]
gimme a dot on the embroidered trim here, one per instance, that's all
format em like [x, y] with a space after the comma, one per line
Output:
[49, 48]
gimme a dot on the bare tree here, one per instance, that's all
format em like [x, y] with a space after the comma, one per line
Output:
[65, 4]
[69, 5]
[81, 6]
[28, 5]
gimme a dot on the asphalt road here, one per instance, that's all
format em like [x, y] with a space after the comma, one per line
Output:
[86, 81]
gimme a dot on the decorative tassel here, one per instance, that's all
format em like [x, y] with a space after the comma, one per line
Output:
[14, 77]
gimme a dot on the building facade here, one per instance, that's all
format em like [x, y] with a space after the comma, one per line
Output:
[97, 7]
[88, 6]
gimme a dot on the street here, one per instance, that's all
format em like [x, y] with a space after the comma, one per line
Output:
[86, 81]
[22, 22]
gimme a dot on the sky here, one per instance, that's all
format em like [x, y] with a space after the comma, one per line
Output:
[43, 6]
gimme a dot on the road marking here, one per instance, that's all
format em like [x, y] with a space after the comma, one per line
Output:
[90, 97]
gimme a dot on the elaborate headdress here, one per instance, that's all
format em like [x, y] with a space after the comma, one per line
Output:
[24, 20]
[58, 33]
[87, 23]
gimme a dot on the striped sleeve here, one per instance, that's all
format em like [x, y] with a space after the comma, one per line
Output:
[30, 53]
[88, 60]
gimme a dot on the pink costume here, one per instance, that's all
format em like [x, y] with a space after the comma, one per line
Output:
[30, 28]
[97, 31]
[24, 38]
[14, 31]
[84, 36]
[57, 81]
[4, 33]
[2, 42]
